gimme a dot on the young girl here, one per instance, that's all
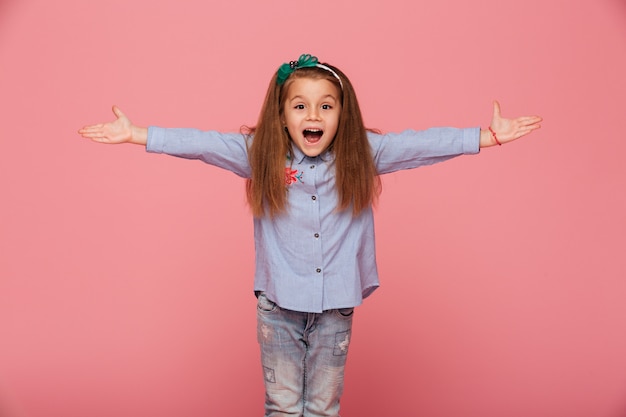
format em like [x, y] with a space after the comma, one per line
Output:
[312, 176]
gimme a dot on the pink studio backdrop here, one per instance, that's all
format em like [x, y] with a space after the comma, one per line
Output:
[126, 278]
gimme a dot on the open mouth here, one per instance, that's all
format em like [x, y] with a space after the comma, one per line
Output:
[312, 135]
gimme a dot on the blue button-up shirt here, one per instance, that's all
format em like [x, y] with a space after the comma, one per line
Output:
[313, 258]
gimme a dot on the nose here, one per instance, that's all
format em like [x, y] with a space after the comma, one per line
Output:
[313, 114]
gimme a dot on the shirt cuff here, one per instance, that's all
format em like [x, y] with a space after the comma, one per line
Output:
[471, 141]
[156, 139]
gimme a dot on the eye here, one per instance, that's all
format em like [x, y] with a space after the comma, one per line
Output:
[299, 106]
[326, 106]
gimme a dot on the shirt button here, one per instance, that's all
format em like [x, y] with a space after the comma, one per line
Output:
[316, 235]
[318, 270]
[313, 198]
[312, 167]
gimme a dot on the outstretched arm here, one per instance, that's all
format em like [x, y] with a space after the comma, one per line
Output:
[507, 130]
[121, 130]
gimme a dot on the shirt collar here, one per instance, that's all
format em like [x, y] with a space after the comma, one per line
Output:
[299, 156]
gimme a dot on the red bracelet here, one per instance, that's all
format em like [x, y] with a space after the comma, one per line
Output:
[494, 136]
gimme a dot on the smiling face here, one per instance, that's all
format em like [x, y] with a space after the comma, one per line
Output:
[311, 114]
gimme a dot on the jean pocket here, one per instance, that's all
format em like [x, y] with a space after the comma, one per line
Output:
[264, 304]
[345, 312]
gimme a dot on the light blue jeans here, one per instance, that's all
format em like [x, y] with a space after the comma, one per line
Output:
[303, 357]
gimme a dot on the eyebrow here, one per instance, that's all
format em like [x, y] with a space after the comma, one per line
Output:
[322, 98]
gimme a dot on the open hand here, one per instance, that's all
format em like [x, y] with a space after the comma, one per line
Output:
[120, 130]
[507, 130]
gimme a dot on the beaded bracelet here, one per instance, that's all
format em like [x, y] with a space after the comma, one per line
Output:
[494, 136]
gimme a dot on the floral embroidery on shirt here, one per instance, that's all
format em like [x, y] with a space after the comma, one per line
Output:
[291, 176]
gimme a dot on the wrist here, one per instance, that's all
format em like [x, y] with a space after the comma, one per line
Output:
[485, 138]
[139, 135]
[488, 138]
[495, 137]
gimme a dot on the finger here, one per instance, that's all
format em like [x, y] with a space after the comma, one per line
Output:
[496, 110]
[90, 132]
[92, 135]
[91, 128]
[529, 120]
[526, 130]
[533, 127]
[117, 112]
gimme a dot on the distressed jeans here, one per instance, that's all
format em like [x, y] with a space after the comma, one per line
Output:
[303, 357]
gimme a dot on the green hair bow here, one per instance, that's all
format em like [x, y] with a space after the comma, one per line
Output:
[285, 70]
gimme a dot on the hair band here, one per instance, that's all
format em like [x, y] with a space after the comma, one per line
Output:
[305, 61]
[329, 69]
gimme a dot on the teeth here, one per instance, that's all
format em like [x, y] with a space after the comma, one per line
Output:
[312, 135]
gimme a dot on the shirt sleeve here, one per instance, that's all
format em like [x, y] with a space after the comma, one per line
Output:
[225, 150]
[411, 149]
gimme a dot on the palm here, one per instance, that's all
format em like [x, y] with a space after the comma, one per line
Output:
[511, 129]
[117, 131]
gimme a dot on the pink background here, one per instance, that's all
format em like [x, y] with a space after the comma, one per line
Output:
[126, 278]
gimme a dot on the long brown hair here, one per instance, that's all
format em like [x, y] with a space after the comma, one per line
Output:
[357, 182]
